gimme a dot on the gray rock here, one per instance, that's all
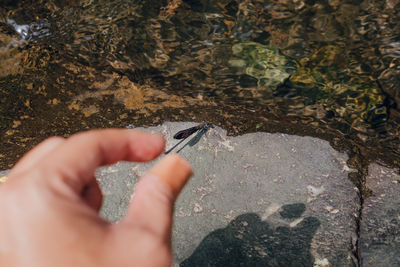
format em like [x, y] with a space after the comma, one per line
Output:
[255, 200]
[2, 174]
[380, 226]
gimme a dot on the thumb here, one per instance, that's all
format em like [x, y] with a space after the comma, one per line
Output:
[151, 208]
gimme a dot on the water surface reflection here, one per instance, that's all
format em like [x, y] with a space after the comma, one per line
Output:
[321, 68]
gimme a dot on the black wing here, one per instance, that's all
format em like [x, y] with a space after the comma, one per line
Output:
[186, 133]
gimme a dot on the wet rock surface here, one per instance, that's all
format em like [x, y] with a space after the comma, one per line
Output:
[255, 200]
[380, 226]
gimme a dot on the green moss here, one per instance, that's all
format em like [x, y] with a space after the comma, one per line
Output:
[263, 62]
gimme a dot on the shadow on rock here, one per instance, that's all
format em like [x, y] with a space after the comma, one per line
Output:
[249, 241]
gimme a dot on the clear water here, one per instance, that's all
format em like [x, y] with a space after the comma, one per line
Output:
[322, 68]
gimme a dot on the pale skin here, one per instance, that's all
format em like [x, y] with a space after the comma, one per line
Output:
[50, 203]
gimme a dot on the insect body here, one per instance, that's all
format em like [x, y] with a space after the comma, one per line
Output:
[183, 134]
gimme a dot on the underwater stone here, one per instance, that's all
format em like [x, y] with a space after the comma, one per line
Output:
[263, 62]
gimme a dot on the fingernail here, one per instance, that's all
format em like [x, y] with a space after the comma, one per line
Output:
[174, 171]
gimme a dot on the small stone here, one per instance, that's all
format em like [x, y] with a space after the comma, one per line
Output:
[197, 208]
[321, 262]
[331, 209]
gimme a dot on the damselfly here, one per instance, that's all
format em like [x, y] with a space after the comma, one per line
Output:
[201, 128]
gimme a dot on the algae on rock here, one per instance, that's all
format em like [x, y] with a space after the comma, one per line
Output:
[263, 62]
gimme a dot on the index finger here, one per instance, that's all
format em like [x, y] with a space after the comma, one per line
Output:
[76, 160]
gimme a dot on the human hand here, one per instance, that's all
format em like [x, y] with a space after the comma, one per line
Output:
[49, 205]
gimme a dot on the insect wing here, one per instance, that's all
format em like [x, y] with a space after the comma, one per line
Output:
[185, 133]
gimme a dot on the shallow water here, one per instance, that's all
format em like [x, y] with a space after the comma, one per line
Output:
[322, 68]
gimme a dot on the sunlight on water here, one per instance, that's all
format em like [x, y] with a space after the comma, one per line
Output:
[323, 68]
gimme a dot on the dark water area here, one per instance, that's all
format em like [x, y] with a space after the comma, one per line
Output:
[329, 69]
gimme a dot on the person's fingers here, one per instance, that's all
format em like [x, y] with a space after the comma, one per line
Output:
[92, 195]
[152, 205]
[33, 157]
[174, 171]
[75, 160]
